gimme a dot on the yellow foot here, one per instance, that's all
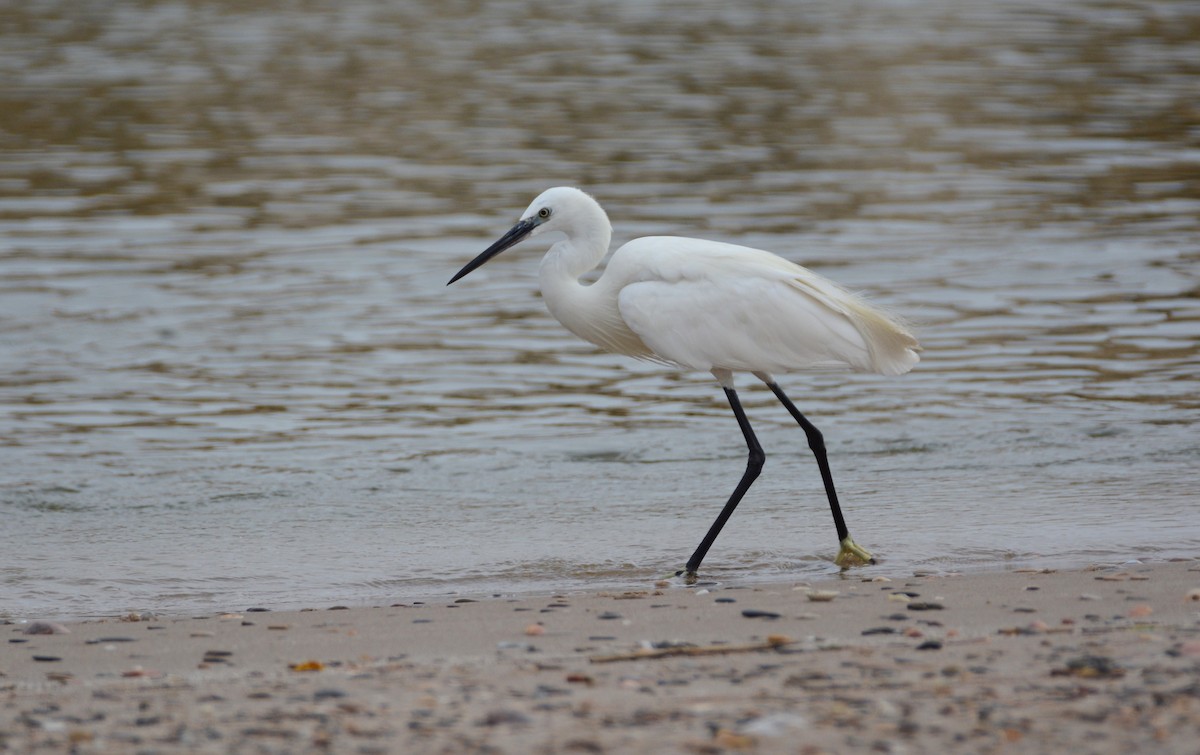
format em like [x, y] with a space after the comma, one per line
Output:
[852, 554]
[688, 577]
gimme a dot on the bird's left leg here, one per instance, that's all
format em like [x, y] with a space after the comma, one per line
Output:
[754, 465]
[850, 553]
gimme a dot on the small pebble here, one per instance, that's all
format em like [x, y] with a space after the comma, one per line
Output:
[725, 739]
[46, 627]
[497, 717]
[535, 630]
[307, 666]
[1140, 611]
[752, 613]
[925, 606]
[930, 645]
[1091, 667]
[106, 640]
[1193, 595]
[608, 616]
[822, 596]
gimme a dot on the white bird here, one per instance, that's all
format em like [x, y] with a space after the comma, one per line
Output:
[706, 305]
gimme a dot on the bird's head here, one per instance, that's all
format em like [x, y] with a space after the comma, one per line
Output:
[556, 209]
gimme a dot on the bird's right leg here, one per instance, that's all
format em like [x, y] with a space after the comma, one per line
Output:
[753, 466]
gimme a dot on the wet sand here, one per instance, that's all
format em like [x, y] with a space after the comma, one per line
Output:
[1095, 660]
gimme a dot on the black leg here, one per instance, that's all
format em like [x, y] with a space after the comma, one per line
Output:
[817, 443]
[753, 467]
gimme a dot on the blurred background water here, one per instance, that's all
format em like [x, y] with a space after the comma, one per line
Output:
[231, 373]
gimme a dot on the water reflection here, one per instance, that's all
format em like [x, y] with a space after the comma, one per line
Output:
[230, 370]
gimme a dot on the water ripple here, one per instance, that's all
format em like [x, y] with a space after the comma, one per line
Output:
[231, 372]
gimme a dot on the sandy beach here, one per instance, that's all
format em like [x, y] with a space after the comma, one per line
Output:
[1095, 660]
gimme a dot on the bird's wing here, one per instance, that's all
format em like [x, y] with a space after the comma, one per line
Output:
[709, 305]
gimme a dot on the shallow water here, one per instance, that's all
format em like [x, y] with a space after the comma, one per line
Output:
[231, 373]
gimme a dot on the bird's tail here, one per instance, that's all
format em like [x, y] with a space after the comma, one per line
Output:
[893, 349]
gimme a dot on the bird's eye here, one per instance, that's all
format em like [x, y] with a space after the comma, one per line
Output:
[544, 213]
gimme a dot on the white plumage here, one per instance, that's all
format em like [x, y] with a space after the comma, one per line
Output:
[706, 305]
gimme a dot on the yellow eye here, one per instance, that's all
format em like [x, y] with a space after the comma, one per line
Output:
[544, 213]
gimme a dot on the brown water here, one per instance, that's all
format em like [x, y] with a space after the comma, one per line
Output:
[231, 372]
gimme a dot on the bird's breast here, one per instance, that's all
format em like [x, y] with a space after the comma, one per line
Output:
[591, 313]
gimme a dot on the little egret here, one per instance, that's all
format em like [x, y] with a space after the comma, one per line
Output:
[705, 305]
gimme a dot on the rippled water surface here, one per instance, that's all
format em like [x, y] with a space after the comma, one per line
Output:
[231, 373]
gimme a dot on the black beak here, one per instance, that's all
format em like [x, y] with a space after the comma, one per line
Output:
[515, 235]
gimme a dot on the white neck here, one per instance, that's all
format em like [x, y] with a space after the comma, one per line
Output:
[588, 235]
[572, 303]
[589, 312]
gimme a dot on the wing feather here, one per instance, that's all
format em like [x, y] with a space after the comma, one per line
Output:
[707, 305]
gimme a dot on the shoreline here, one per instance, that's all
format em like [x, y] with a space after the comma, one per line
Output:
[1038, 660]
[730, 578]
